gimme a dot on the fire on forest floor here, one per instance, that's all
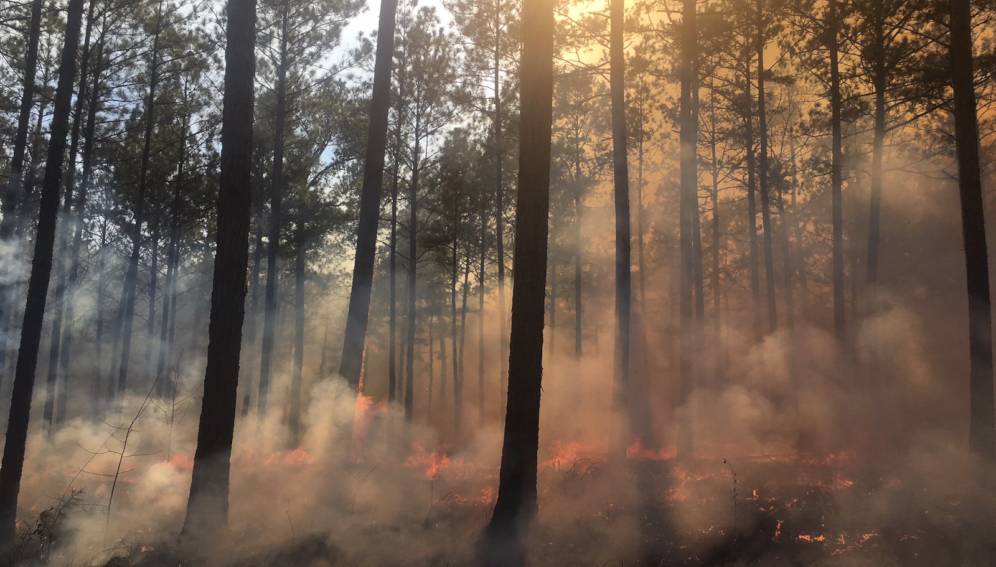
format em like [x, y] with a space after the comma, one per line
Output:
[646, 509]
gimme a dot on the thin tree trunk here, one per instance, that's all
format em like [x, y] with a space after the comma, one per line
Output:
[982, 437]
[480, 315]
[207, 506]
[516, 503]
[755, 278]
[16, 175]
[836, 177]
[130, 289]
[172, 257]
[62, 236]
[620, 175]
[78, 222]
[503, 337]
[688, 212]
[41, 271]
[297, 377]
[271, 305]
[458, 384]
[373, 173]
[879, 79]
[762, 120]
[412, 271]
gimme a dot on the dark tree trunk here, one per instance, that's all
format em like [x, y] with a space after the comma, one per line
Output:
[480, 313]
[455, 324]
[251, 331]
[392, 262]
[755, 277]
[78, 220]
[620, 175]
[458, 384]
[500, 202]
[34, 309]
[762, 120]
[412, 273]
[516, 504]
[373, 174]
[836, 176]
[62, 267]
[271, 305]
[879, 79]
[688, 212]
[297, 377]
[131, 277]
[207, 506]
[982, 437]
[23, 123]
[166, 384]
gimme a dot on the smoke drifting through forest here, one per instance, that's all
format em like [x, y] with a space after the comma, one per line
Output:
[795, 391]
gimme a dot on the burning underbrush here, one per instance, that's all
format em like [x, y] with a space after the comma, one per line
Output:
[646, 509]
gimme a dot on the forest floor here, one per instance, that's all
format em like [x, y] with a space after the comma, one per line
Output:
[769, 511]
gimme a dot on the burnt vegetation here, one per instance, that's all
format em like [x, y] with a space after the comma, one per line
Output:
[500, 282]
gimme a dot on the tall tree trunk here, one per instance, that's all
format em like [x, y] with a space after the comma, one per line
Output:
[62, 263]
[65, 356]
[620, 176]
[836, 176]
[412, 271]
[207, 506]
[458, 384]
[297, 377]
[762, 121]
[253, 319]
[12, 191]
[271, 305]
[755, 278]
[982, 437]
[34, 309]
[879, 80]
[688, 212]
[392, 262]
[131, 277]
[373, 174]
[166, 386]
[516, 503]
[455, 326]
[716, 234]
[23, 123]
[480, 313]
[500, 203]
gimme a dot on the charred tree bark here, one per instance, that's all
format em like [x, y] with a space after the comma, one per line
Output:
[516, 504]
[981, 437]
[270, 304]
[207, 506]
[373, 174]
[34, 309]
